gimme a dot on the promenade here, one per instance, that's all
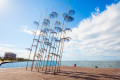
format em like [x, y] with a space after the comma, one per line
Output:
[67, 73]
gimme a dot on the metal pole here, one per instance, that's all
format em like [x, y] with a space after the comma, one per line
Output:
[37, 43]
[33, 42]
[60, 37]
[51, 43]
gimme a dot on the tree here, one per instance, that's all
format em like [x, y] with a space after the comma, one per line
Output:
[2, 60]
[20, 59]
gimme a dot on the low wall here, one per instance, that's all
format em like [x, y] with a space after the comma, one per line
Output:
[4, 63]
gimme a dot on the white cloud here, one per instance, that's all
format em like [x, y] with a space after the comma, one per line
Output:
[11, 48]
[25, 29]
[98, 35]
[20, 53]
[7, 45]
[31, 32]
[95, 37]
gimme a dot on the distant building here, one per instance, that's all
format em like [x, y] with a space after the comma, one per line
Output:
[9, 55]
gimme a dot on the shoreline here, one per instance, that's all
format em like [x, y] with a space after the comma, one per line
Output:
[65, 66]
[9, 62]
[0, 63]
[67, 73]
[5, 62]
[62, 66]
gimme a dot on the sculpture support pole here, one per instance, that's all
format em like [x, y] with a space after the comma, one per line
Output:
[60, 56]
[51, 42]
[42, 56]
[37, 43]
[48, 45]
[33, 42]
[53, 54]
[41, 51]
[60, 37]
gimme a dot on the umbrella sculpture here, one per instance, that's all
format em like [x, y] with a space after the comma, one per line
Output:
[47, 46]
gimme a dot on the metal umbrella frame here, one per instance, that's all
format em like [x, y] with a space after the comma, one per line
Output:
[50, 42]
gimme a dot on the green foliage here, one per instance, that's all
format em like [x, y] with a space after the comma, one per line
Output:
[11, 59]
[20, 59]
[2, 60]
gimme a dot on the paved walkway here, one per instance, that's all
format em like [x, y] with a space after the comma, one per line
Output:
[67, 73]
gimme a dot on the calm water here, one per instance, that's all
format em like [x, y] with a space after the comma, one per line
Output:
[100, 64]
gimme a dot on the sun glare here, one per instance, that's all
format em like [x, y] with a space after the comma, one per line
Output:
[3, 4]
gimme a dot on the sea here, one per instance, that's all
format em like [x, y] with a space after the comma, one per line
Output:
[99, 64]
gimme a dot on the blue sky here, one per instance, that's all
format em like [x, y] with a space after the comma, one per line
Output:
[16, 16]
